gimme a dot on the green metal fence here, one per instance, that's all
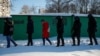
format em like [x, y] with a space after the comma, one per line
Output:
[20, 23]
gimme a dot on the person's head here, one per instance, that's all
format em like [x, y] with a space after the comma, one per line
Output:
[42, 20]
[90, 15]
[59, 18]
[91, 18]
[7, 19]
[77, 18]
[29, 18]
[11, 20]
[73, 15]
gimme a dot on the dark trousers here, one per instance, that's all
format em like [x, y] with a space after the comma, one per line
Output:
[9, 38]
[92, 36]
[47, 40]
[60, 39]
[77, 36]
[30, 42]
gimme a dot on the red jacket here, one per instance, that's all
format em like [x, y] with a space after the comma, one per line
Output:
[45, 33]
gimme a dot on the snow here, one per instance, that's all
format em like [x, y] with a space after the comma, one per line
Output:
[60, 14]
[49, 50]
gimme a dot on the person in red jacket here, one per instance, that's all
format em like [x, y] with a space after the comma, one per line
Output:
[45, 31]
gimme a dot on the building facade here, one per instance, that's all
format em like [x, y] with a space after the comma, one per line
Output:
[4, 8]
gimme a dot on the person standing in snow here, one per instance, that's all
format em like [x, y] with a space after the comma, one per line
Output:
[30, 30]
[8, 31]
[60, 30]
[92, 29]
[45, 31]
[76, 31]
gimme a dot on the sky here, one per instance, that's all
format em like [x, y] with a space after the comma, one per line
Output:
[18, 4]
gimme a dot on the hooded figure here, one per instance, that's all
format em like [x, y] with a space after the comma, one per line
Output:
[76, 31]
[8, 31]
[30, 30]
[45, 31]
[60, 30]
[92, 29]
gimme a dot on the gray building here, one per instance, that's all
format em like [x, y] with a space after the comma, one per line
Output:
[4, 8]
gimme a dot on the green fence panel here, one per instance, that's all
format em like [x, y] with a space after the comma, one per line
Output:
[1, 25]
[20, 24]
[98, 26]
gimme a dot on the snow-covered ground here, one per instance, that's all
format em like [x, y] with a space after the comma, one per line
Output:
[49, 50]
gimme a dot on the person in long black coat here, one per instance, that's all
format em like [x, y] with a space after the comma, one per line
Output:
[60, 30]
[8, 31]
[30, 30]
[92, 29]
[76, 31]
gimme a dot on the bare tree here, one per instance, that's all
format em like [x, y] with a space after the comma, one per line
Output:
[57, 5]
[32, 9]
[27, 10]
[12, 4]
[82, 5]
[95, 6]
[72, 8]
[88, 5]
